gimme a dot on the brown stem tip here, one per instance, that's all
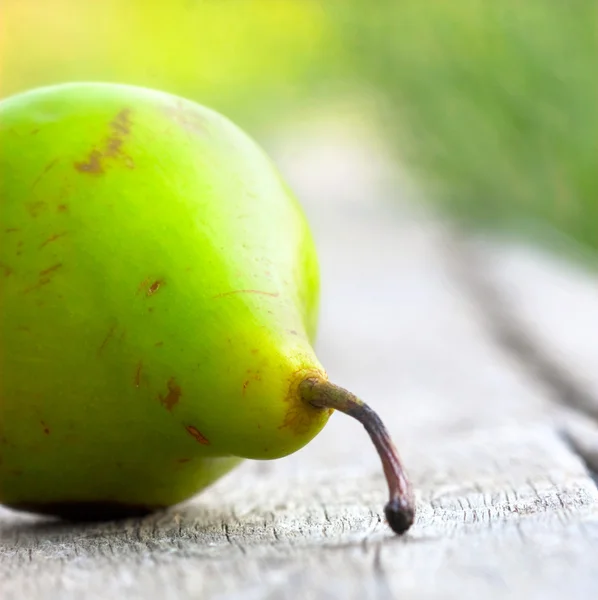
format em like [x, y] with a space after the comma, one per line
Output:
[400, 509]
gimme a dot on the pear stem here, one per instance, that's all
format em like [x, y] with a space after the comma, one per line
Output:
[400, 509]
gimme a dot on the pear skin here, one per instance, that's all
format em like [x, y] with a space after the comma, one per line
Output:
[158, 303]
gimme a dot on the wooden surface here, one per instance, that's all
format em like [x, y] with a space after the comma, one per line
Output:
[501, 461]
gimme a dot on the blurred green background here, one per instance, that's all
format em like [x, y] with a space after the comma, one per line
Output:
[252, 59]
[492, 104]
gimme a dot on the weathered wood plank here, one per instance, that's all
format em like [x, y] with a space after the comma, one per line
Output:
[543, 312]
[522, 501]
[506, 507]
[558, 302]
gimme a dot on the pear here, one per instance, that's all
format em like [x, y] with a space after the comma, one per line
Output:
[158, 306]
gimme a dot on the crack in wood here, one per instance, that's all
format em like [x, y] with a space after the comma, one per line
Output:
[383, 589]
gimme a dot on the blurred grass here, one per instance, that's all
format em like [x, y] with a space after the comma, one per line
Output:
[251, 59]
[493, 103]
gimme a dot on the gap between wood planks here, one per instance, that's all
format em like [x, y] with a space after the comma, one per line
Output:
[509, 331]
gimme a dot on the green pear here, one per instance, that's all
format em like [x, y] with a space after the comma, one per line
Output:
[158, 304]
